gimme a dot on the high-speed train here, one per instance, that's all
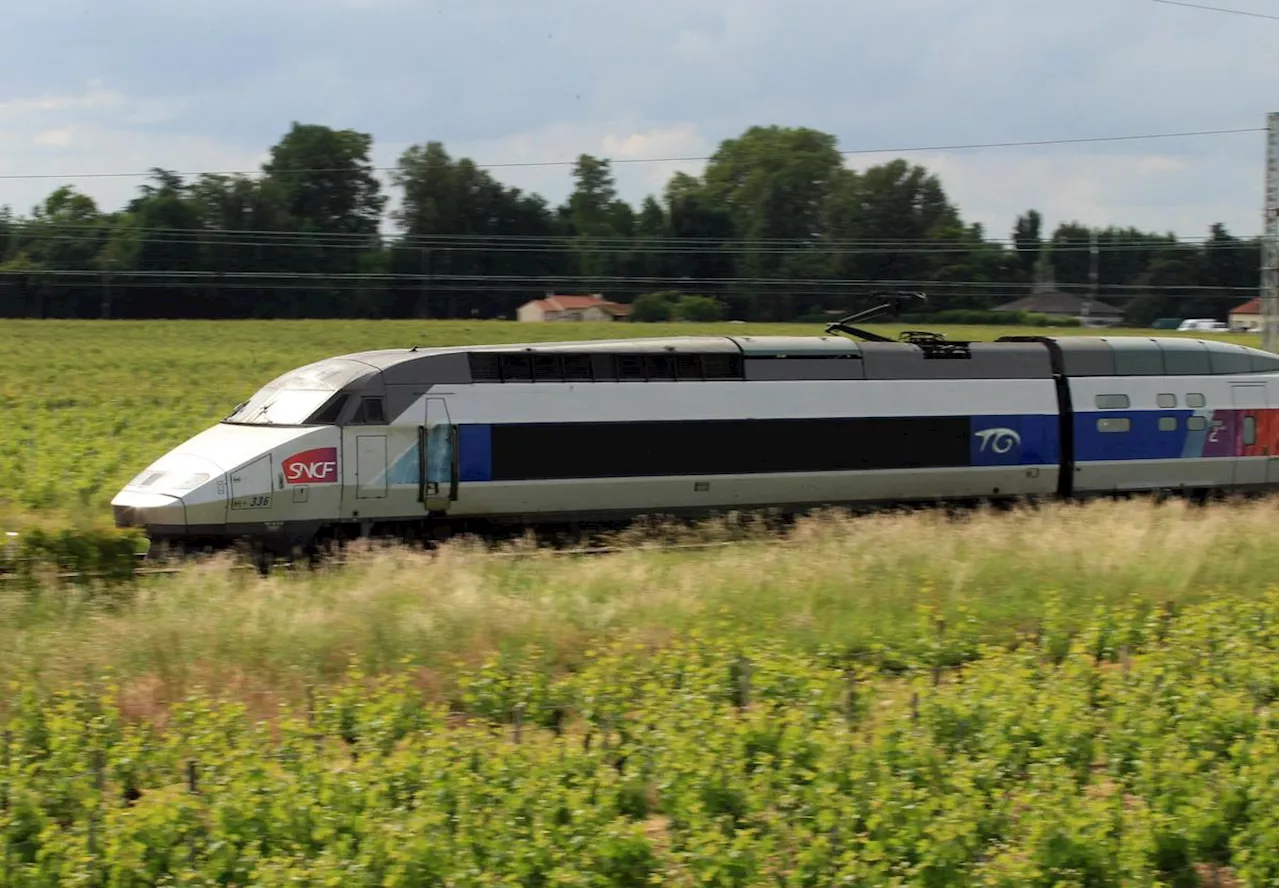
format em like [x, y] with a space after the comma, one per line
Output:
[413, 441]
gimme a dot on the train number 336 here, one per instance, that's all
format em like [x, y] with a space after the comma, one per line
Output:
[252, 502]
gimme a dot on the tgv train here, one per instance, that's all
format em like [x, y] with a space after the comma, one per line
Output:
[419, 440]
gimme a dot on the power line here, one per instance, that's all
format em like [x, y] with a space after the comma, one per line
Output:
[502, 281]
[36, 231]
[1218, 9]
[634, 247]
[689, 159]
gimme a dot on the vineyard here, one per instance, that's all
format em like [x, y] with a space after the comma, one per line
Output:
[1139, 750]
[88, 405]
[1078, 695]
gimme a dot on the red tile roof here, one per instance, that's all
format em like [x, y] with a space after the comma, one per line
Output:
[1252, 307]
[554, 302]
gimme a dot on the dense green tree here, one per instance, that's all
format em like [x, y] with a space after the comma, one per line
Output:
[460, 225]
[654, 307]
[1026, 240]
[600, 223]
[9, 229]
[700, 309]
[776, 227]
[773, 183]
[65, 232]
[327, 180]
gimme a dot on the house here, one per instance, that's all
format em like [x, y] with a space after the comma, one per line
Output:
[1056, 304]
[572, 308]
[1246, 318]
[1046, 299]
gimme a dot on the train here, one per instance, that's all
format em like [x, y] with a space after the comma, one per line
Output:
[423, 442]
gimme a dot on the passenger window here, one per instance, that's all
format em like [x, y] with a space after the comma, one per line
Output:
[517, 368]
[577, 367]
[1250, 430]
[546, 368]
[722, 366]
[485, 368]
[1111, 402]
[369, 413]
[1168, 423]
[1197, 423]
[689, 366]
[660, 367]
[1114, 424]
[630, 367]
[1195, 400]
[1166, 401]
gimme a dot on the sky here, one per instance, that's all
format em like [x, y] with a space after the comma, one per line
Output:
[193, 85]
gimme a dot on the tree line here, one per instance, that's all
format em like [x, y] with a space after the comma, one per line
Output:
[776, 228]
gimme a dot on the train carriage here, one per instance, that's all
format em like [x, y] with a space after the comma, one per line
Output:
[418, 439]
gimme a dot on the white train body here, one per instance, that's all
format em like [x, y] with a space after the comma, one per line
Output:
[602, 430]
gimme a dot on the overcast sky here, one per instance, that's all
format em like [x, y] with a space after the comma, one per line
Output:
[193, 85]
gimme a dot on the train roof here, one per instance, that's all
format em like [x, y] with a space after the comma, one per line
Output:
[1077, 355]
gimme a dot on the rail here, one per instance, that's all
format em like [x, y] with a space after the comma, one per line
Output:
[541, 551]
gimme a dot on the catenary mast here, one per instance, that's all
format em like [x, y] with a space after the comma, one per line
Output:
[1269, 246]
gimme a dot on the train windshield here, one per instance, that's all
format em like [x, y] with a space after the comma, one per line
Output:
[293, 398]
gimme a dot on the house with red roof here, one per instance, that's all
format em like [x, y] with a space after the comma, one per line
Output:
[1246, 318]
[554, 307]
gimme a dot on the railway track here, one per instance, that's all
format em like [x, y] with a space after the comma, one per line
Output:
[9, 574]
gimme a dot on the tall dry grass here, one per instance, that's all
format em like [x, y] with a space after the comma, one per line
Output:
[846, 585]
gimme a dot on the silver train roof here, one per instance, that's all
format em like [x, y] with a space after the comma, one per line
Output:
[1081, 351]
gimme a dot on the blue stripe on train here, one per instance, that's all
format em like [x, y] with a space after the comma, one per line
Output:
[475, 462]
[1143, 439]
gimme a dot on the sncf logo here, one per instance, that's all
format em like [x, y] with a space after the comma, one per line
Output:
[998, 440]
[318, 466]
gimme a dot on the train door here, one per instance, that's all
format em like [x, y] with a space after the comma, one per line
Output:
[371, 467]
[438, 450]
[1252, 453]
[251, 491]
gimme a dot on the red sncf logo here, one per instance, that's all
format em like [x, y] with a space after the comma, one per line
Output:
[318, 466]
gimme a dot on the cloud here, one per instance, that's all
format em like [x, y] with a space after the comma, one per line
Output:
[142, 83]
[54, 138]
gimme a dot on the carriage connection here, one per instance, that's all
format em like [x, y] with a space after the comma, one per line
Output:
[425, 441]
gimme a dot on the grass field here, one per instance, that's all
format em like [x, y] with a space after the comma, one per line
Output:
[851, 586]
[88, 405]
[1072, 696]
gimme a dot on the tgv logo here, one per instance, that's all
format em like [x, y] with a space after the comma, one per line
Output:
[1000, 440]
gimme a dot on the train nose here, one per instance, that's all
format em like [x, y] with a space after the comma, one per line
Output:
[154, 511]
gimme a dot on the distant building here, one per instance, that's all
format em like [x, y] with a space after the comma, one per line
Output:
[1246, 318]
[1056, 304]
[572, 308]
[1046, 299]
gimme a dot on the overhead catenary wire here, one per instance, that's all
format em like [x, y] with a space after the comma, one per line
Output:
[51, 230]
[640, 245]
[1261, 15]
[517, 164]
[228, 279]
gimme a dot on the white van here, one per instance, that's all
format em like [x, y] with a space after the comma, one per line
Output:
[1202, 324]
